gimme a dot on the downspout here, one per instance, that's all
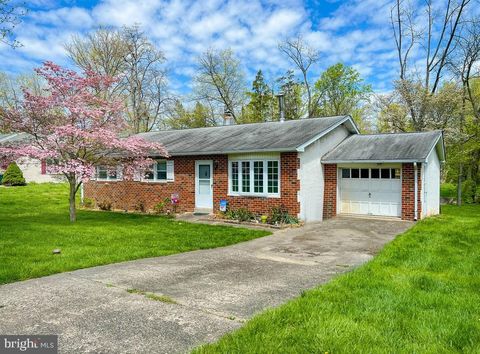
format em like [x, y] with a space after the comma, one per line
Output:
[415, 171]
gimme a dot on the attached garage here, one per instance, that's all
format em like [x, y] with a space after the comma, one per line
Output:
[395, 175]
[370, 190]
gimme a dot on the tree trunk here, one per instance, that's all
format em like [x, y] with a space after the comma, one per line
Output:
[459, 185]
[73, 208]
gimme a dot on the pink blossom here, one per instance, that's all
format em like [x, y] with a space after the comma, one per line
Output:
[73, 126]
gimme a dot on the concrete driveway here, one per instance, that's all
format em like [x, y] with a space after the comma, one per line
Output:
[215, 290]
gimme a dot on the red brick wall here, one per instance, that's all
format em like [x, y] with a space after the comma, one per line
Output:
[330, 191]
[126, 195]
[408, 191]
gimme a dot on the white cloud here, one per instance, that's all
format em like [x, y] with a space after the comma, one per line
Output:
[356, 33]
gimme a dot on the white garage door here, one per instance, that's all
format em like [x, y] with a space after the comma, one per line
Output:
[371, 191]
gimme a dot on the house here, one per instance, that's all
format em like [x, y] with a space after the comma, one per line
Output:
[315, 168]
[33, 170]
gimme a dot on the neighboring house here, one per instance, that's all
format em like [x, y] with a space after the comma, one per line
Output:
[33, 170]
[315, 168]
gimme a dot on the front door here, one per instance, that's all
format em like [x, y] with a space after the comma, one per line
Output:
[204, 184]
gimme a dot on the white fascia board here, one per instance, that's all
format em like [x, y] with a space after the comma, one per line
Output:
[441, 158]
[302, 147]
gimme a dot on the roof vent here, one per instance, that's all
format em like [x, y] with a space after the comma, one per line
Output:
[281, 105]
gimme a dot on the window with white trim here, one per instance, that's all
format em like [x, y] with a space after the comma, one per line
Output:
[103, 173]
[254, 177]
[160, 171]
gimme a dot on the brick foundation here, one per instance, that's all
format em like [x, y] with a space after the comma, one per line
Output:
[408, 191]
[127, 195]
[330, 191]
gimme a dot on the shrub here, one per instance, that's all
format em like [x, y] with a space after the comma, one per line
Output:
[13, 176]
[469, 191]
[161, 207]
[280, 215]
[140, 206]
[448, 190]
[88, 203]
[240, 214]
[105, 205]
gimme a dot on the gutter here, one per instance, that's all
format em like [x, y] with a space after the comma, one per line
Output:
[374, 161]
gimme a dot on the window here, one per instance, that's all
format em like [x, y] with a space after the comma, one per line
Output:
[385, 173]
[234, 174]
[103, 173]
[160, 171]
[245, 176]
[273, 176]
[395, 173]
[258, 177]
[345, 173]
[374, 173]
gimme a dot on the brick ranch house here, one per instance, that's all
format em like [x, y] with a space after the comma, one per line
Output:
[316, 168]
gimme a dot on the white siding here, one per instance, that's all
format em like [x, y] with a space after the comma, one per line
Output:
[311, 174]
[431, 183]
[32, 171]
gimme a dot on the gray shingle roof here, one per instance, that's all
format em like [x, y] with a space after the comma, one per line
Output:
[385, 147]
[270, 136]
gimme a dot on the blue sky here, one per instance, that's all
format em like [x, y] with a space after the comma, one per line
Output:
[354, 32]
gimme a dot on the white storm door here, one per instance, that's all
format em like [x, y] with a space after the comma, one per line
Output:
[204, 184]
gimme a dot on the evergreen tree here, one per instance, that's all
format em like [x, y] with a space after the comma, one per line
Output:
[262, 102]
[182, 118]
[292, 90]
[13, 176]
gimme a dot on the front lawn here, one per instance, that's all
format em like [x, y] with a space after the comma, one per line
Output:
[421, 294]
[34, 221]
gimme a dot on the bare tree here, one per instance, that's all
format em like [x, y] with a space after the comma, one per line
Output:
[303, 57]
[139, 66]
[220, 81]
[102, 51]
[465, 66]
[146, 80]
[436, 37]
[10, 17]
[404, 34]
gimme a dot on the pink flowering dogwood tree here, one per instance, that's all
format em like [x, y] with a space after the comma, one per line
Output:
[76, 129]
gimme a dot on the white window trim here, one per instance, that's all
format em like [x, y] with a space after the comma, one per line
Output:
[109, 178]
[265, 193]
[155, 180]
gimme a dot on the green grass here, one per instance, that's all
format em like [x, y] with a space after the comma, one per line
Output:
[421, 294]
[34, 221]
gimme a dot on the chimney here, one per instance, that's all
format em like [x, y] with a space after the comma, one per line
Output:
[227, 117]
[281, 105]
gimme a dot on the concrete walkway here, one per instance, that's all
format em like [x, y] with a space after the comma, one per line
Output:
[215, 290]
